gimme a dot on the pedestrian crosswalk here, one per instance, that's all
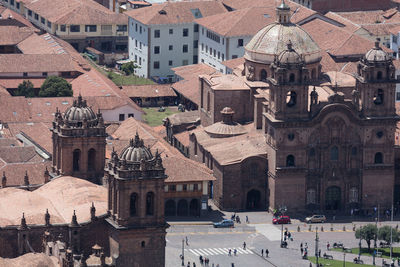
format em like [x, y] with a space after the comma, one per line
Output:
[217, 251]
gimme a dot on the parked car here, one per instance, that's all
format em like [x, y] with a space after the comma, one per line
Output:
[224, 223]
[316, 219]
[281, 220]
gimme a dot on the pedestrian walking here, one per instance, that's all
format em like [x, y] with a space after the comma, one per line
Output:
[234, 252]
[230, 252]
[244, 245]
[266, 253]
[187, 241]
[262, 253]
[319, 253]
[301, 250]
[301, 245]
[306, 246]
[328, 246]
[188, 265]
[194, 264]
[247, 219]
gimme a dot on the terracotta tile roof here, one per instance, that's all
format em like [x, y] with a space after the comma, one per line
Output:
[13, 83]
[14, 109]
[12, 35]
[16, 154]
[380, 29]
[372, 17]
[75, 12]
[327, 63]
[32, 260]
[340, 79]
[15, 172]
[39, 132]
[187, 117]
[348, 25]
[150, 90]
[349, 67]
[128, 129]
[242, 22]
[3, 90]
[233, 63]
[61, 197]
[189, 71]
[176, 12]
[183, 138]
[220, 81]
[8, 142]
[180, 169]
[12, 18]
[35, 63]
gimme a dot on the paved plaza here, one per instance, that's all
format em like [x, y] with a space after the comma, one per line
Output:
[259, 234]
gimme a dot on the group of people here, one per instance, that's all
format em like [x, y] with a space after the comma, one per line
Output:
[236, 218]
[304, 250]
[266, 253]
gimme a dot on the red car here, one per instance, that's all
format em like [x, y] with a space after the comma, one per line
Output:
[281, 220]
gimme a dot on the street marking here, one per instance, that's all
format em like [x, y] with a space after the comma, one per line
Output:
[217, 251]
[209, 251]
[208, 233]
[202, 251]
[243, 251]
[194, 252]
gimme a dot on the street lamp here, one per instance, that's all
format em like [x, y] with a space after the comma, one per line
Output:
[374, 254]
[316, 244]
[359, 247]
[344, 259]
[183, 252]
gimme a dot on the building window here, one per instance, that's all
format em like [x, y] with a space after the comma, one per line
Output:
[185, 32]
[379, 75]
[140, 45]
[219, 55]
[208, 102]
[12, 2]
[378, 97]
[184, 187]
[353, 195]
[30, 13]
[397, 96]
[378, 158]
[334, 153]
[195, 44]
[185, 62]
[92, 159]
[223, 57]
[42, 20]
[195, 187]
[172, 187]
[290, 161]
[76, 158]
[213, 36]
[156, 50]
[44, 74]
[143, 244]
[140, 29]
[195, 59]
[75, 28]
[121, 117]
[135, 27]
[171, 31]
[291, 99]
[156, 65]
[240, 42]
[133, 204]
[36, 16]
[354, 151]
[196, 28]
[150, 203]
[263, 75]
[63, 28]
[135, 43]
[170, 47]
[312, 152]
[17, 5]
[311, 199]
[253, 171]
[185, 48]
[169, 62]
[25, 74]
[131, 115]
[122, 28]
[156, 33]
[90, 28]
[140, 61]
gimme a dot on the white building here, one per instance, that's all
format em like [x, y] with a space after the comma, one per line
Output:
[164, 36]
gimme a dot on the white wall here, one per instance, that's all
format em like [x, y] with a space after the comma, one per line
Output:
[141, 54]
[113, 114]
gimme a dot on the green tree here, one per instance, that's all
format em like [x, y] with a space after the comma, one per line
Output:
[55, 86]
[129, 68]
[384, 234]
[25, 89]
[367, 232]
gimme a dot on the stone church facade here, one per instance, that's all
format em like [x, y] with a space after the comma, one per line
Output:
[304, 146]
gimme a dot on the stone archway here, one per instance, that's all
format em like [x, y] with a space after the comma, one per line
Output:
[253, 200]
[170, 208]
[333, 198]
[194, 207]
[182, 208]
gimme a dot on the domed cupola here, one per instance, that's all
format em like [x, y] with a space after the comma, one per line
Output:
[80, 114]
[376, 54]
[136, 151]
[227, 127]
[289, 56]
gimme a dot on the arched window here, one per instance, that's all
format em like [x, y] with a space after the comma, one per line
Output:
[378, 97]
[334, 153]
[379, 75]
[292, 77]
[76, 159]
[311, 196]
[312, 152]
[150, 203]
[353, 195]
[133, 204]
[291, 98]
[208, 101]
[91, 159]
[290, 161]
[143, 244]
[354, 151]
[378, 158]
[263, 75]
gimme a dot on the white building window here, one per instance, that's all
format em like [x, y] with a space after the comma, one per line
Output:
[311, 196]
[353, 195]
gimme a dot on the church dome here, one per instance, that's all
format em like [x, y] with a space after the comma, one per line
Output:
[79, 112]
[376, 54]
[289, 56]
[272, 40]
[136, 151]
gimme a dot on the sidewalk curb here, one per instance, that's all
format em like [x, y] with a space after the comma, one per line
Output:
[190, 223]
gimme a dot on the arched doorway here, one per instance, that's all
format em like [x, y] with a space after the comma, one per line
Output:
[194, 207]
[182, 207]
[91, 159]
[170, 208]
[332, 198]
[253, 200]
[76, 158]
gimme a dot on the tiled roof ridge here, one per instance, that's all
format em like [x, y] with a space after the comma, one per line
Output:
[349, 21]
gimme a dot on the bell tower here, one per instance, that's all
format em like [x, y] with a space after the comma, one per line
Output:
[376, 83]
[79, 139]
[136, 204]
[289, 86]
